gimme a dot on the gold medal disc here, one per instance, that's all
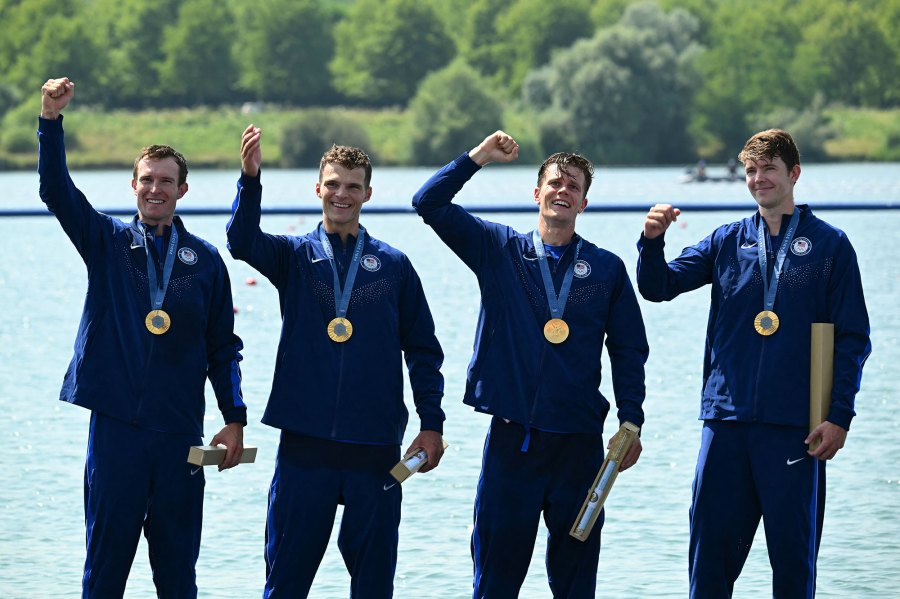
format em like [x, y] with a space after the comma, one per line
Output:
[339, 329]
[556, 330]
[766, 323]
[158, 322]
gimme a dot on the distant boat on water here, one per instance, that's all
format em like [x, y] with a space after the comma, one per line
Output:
[698, 174]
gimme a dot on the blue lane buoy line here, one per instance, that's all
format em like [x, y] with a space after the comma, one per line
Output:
[483, 209]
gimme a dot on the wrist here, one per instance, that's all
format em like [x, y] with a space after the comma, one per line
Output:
[479, 156]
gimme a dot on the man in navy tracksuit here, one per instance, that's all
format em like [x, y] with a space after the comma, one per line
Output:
[158, 320]
[548, 299]
[772, 276]
[351, 307]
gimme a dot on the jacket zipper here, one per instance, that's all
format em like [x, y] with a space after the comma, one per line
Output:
[337, 399]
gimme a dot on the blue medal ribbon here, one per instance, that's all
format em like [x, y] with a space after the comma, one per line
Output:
[770, 290]
[157, 288]
[557, 303]
[342, 296]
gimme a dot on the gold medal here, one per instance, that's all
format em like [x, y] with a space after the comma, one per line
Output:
[339, 329]
[556, 330]
[157, 322]
[766, 323]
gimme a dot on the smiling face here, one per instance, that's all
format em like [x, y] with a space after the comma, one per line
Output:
[157, 190]
[771, 183]
[343, 191]
[560, 195]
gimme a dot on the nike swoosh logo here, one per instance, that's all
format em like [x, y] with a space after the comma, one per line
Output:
[386, 487]
[314, 260]
[747, 246]
[196, 470]
[792, 462]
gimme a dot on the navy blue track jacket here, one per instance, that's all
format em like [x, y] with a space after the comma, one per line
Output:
[749, 377]
[351, 391]
[121, 369]
[515, 373]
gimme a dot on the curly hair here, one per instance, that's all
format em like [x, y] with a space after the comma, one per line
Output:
[349, 158]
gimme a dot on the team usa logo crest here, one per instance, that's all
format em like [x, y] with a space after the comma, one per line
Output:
[801, 246]
[370, 262]
[582, 269]
[188, 256]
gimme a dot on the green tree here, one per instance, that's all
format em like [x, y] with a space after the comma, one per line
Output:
[606, 13]
[745, 72]
[40, 39]
[847, 56]
[531, 30]
[305, 140]
[198, 67]
[386, 47]
[810, 127]
[624, 95]
[478, 36]
[283, 48]
[130, 34]
[451, 112]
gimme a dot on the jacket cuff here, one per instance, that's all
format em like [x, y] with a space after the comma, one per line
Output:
[840, 416]
[48, 125]
[432, 423]
[236, 414]
[248, 181]
[657, 244]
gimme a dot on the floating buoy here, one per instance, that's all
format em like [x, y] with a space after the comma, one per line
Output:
[235, 310]
[250, 281]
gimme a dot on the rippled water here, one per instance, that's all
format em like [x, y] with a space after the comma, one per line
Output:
[42, 284]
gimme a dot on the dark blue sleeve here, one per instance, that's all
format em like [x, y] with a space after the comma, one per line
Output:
[81, 223]
[626, 342]
[421, 350]
[467, 235]
[847, 310]
[223, 349]
[269, 254]
[661, 282]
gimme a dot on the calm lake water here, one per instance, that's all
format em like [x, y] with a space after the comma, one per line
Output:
[42, 286]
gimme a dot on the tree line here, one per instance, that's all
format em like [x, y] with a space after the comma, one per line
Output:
[624, 81]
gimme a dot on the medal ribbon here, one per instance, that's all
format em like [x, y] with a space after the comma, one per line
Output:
[342, 296]
[157, 290]
[769, 291]
[557, 303]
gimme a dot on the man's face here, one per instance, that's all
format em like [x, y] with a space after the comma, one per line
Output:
[770, 183]
[343, 192]
[560, 196]
[157, 190]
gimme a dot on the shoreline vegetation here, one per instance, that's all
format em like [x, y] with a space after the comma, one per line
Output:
[210, 137]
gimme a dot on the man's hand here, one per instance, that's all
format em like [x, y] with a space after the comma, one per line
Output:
[251, 150]
[832, 437]
[432, 443]
[658, 220]
[55, 95]
[631, 456]
[496, 147]
[232, 437]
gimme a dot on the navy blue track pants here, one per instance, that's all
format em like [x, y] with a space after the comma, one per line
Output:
[312, 477]
[746, 472]
[553, 476]
[133, 479]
